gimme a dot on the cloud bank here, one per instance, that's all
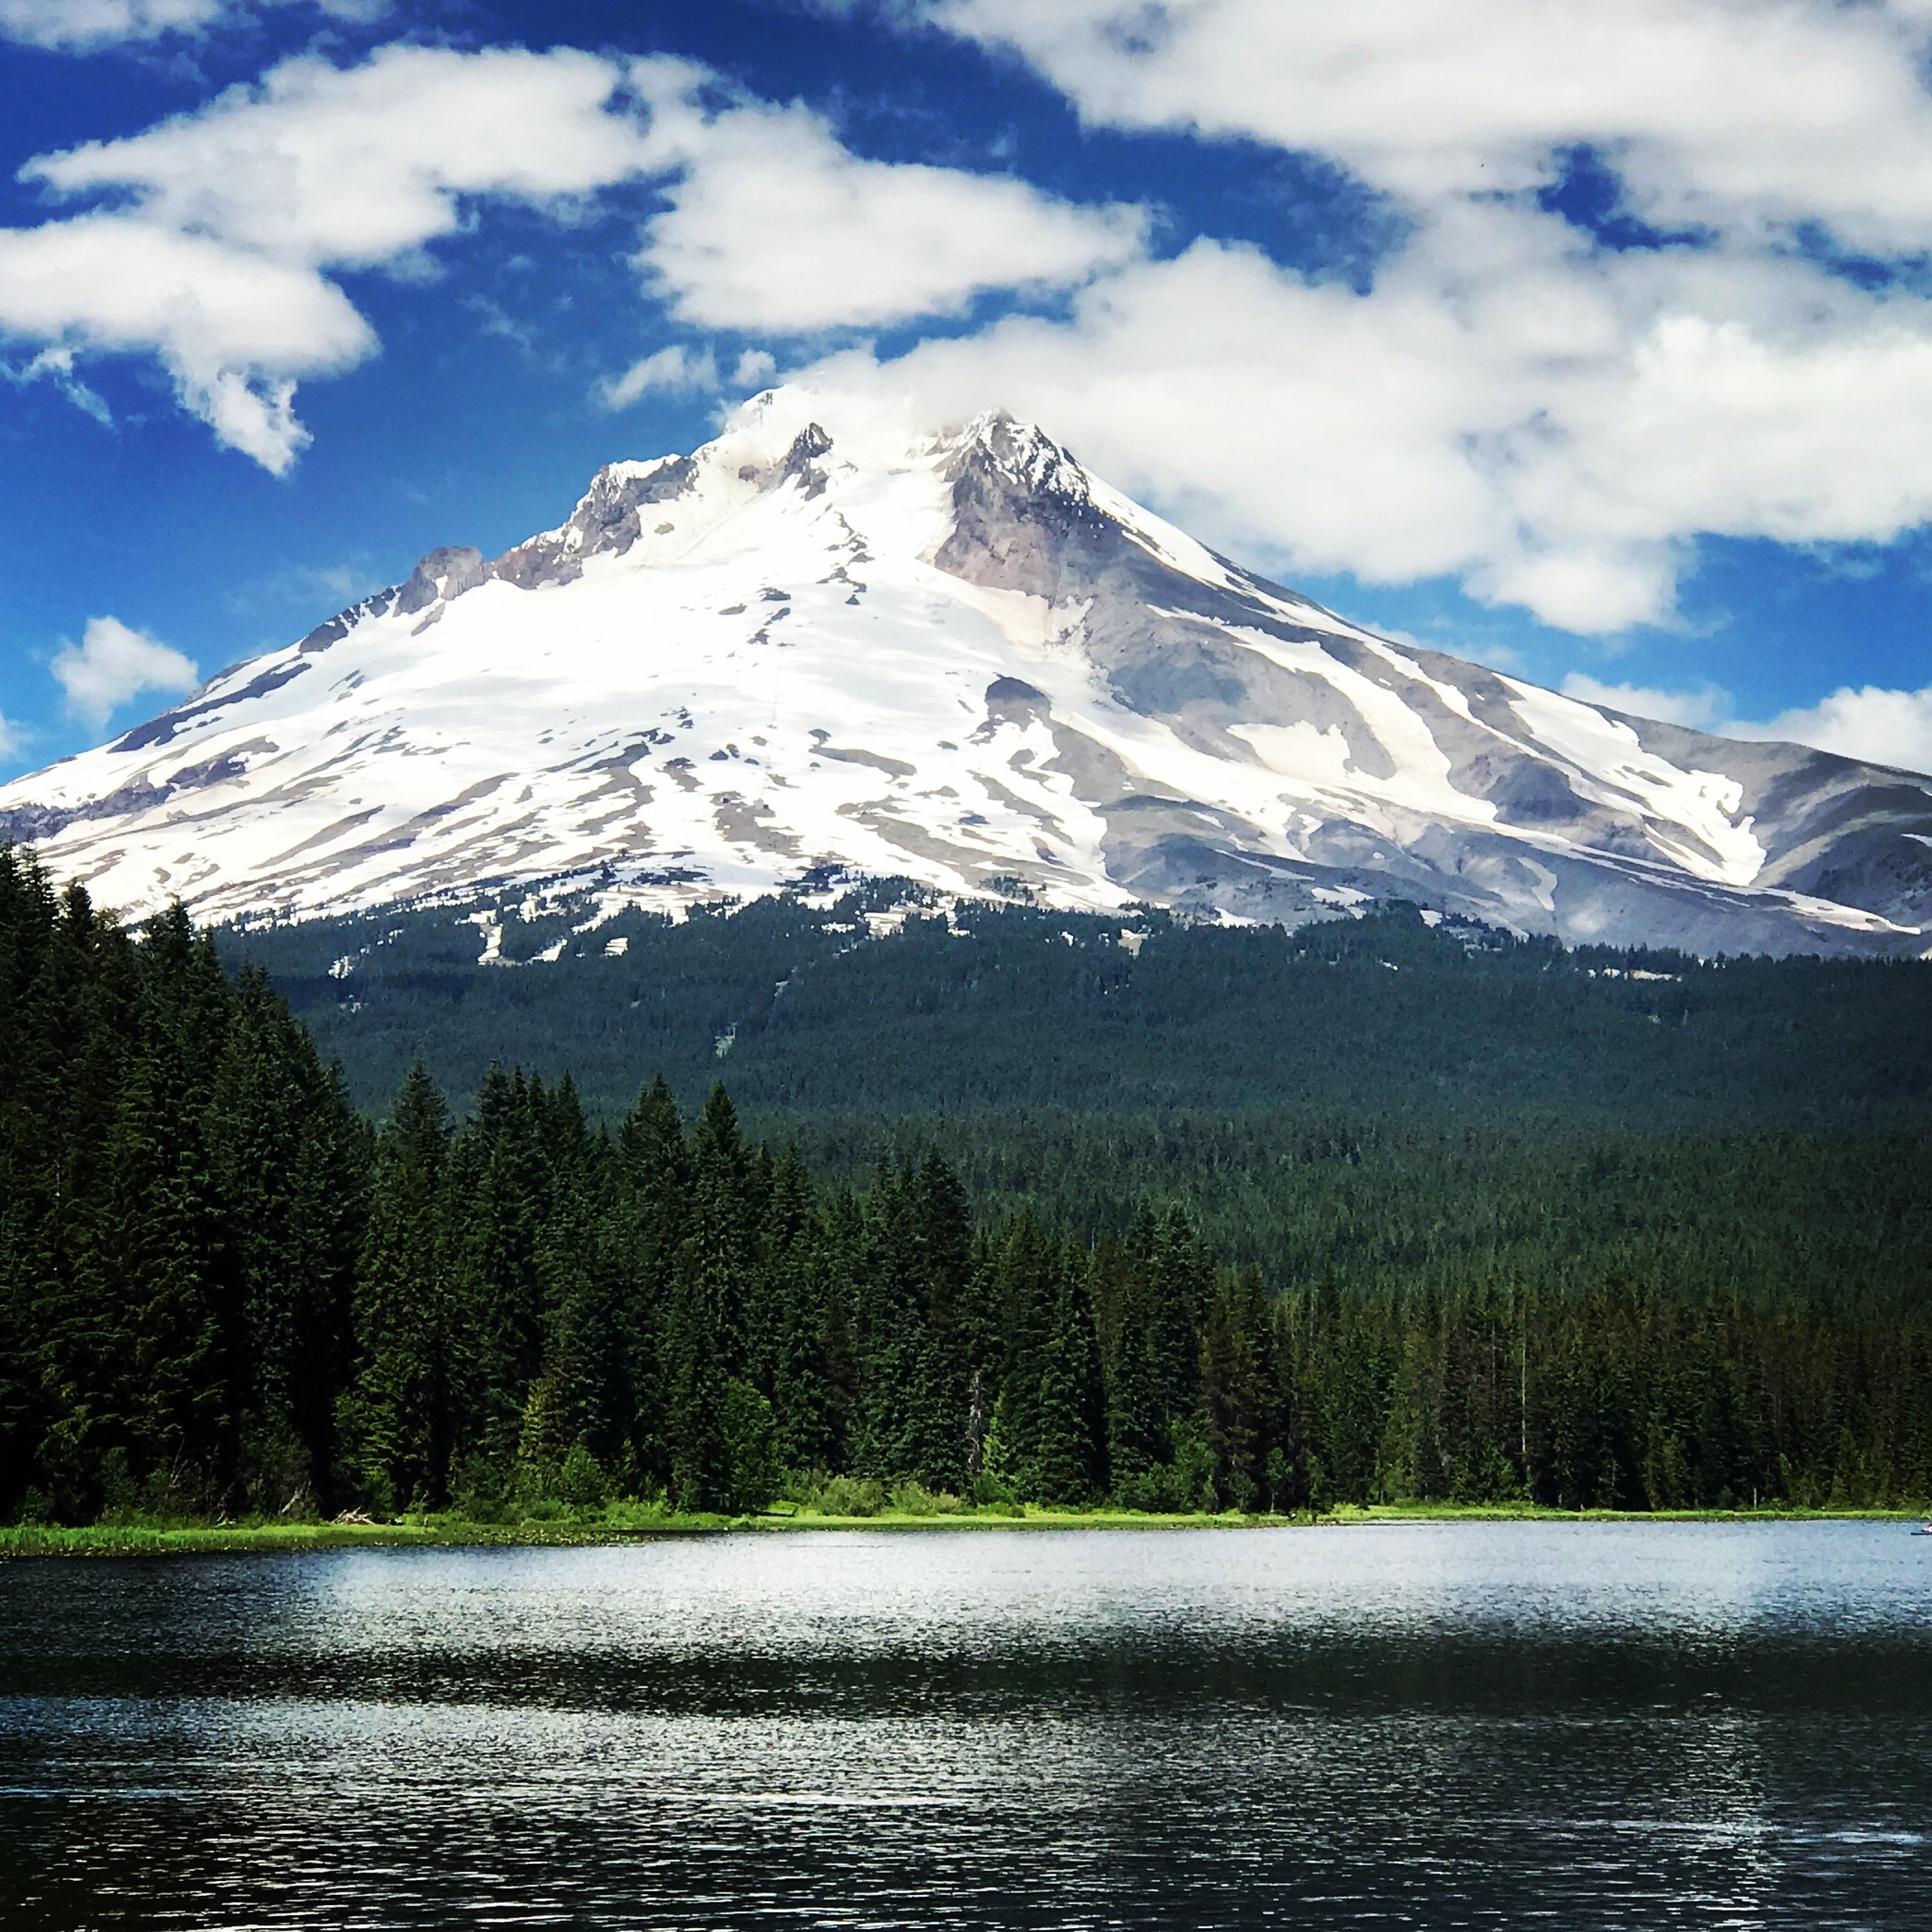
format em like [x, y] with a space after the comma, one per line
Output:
[674, 371]
[72, 25]
[774, 225]
[1883, 727]
[212, 233]
[1704, 710]
[1874, 725]
[1551, 413]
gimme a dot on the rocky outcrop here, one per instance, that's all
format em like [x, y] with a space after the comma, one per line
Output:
[608, 520]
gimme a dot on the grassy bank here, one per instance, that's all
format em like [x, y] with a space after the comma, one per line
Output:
[617, 1526]
[634, 1525]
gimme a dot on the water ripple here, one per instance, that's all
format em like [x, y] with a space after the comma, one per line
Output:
[1641, 1727]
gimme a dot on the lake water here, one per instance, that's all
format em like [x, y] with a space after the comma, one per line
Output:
[1506, 1724]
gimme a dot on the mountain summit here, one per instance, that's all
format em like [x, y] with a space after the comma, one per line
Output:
[966, 660]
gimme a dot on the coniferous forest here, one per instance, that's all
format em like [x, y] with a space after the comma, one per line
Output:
[224, 1291]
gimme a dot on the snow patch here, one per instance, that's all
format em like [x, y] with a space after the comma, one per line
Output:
[1617, 770]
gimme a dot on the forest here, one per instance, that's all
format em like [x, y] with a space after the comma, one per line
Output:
[1400, 1022]
[225, 1290]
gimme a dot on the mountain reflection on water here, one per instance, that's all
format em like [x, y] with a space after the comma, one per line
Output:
[1442, 1725]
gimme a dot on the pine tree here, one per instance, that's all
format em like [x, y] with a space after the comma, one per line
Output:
[1051, 1409]
[648, 1225]
[888, 1330]
[696, 1379]
[749, 1437]
[798, 1372]
[398, 1425]
[1139, 1436]
[500, 1175]
[1234, 1390]
[156, 1261]
[948, 1346]
[725, 1218]
[289, 1163]
[1067, 1461]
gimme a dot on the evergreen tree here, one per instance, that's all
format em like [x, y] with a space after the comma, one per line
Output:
[289, 1163]
[798, 1375]
[398, 1424]
[647, 1230]
[1134, 1338]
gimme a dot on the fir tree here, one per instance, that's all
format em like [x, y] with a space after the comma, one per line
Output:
[398, 1426]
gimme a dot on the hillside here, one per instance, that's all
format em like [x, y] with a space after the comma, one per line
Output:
[870, 1000]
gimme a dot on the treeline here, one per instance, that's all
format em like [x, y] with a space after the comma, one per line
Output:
[222, 1292]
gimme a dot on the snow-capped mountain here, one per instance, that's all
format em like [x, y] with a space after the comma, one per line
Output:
[969, 661]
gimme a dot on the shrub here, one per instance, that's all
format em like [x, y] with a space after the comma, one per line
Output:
[481, 1491]
[990, 1490]
[751, 1444]
[912, 1498]
[847, 1496]
[580, 1483]
[1183, 1486]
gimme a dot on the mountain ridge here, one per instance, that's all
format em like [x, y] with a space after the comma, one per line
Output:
[961, 657]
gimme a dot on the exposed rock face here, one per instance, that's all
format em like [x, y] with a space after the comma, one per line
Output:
[443, 574]
[607, 521]
[1023, 516]
[967, 659]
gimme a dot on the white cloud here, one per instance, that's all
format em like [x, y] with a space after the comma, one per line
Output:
[358, 166]
[83, 26]
[1878, 726]
[113, 663]
[13, 740]
[1875, 725]
[1731, 111]
[210, 254]
[1503, 407]
[75, 24]
[217, 233]
[675, 371]
[56, 366]
[1551, 421]
[233, 328]
[1881, 727]
[1703, 709]
[773, 225]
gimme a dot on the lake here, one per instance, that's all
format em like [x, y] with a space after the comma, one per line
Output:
[1483, 1725]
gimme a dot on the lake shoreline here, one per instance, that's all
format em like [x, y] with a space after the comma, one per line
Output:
[135, 1539]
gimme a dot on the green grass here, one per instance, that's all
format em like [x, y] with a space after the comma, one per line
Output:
[632, 1522]
[144, 1539]
[625, 1525]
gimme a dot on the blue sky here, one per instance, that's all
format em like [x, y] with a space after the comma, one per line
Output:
[1591, 338]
